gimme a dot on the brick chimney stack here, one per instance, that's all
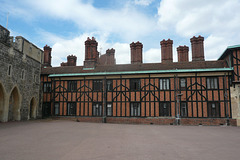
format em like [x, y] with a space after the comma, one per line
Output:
[136, 52]
[108, 58]
[71, 61]
[91, 53]
[183, 53]
[197, 48]
[166, 50]
[47, 56]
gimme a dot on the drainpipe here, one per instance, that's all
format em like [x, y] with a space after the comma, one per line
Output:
[104, 118]
[177, 96]
[226, 97]
[178, 108]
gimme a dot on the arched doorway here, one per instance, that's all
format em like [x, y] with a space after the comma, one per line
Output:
[2, 99]
[32, 108]
[14, 105]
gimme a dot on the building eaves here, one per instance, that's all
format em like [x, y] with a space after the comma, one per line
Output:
[140, 72]
[227, 50]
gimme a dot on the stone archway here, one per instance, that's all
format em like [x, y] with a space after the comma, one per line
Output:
[32, 108]
[14, 105]
[2, 104]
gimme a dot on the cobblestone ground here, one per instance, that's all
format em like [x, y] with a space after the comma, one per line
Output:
[69, 140]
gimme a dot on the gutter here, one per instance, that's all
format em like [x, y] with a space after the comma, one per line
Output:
[141, 72]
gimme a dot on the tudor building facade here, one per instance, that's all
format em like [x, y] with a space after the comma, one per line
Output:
[183, 92]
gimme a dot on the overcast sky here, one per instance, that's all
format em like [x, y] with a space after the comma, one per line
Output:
[66, 24]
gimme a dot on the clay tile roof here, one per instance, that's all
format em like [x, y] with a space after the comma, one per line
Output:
[136, 67]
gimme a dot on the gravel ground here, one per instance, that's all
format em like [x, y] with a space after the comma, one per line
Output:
[69, 140]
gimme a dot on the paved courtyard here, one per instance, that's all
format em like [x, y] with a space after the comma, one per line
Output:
[69, 140]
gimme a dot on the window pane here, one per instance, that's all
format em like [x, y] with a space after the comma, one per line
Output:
[72, 85]
[97, 109]
[109, 85]
[164, 84]
[135, 84]
[164, 109]
[109, 109]
[212, 83]
[161, 86]
[215, 83]
[208, 83]
[71, 109]
[183, 109]
[183, 83]
[94, 110]
[168, 84]
[135, 109]
[56, 108]
[97, 85]
[213, 109]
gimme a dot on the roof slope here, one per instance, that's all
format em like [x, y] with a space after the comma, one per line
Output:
[136, 67]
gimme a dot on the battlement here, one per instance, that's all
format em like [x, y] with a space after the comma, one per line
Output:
[21, 44]
[4, 35]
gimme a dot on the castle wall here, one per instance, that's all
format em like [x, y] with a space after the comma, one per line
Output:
[19, 79]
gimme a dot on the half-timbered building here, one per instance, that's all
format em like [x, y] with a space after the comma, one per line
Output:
[196, 92]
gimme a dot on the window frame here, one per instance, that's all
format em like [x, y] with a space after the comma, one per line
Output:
[181, 109]
[10, 70]
[23, 74]
[133, 111]
[97, 85]
[109, 85]
[47, 87]
[72, 86]
[185, 83]
[212, 83]
[164, 82]
[111, 110]
[210, 109]
[56, 113]
[135, 84]
[161, 108]
[99, 112]
[70, 106]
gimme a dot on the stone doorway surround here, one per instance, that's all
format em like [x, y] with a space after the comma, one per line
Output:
[235, 102]
[14, 105]
[32, 108]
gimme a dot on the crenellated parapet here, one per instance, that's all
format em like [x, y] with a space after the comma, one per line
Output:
[4, 35]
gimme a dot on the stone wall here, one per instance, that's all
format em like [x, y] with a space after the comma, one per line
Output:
[19, 79]
[235, 102]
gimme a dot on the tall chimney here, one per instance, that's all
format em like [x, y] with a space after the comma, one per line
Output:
[166, 50]
[197, 48]
[71, 60]
[91, 53]
[47, 56]
[183, 53]
[108, 58]
[136, 52]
